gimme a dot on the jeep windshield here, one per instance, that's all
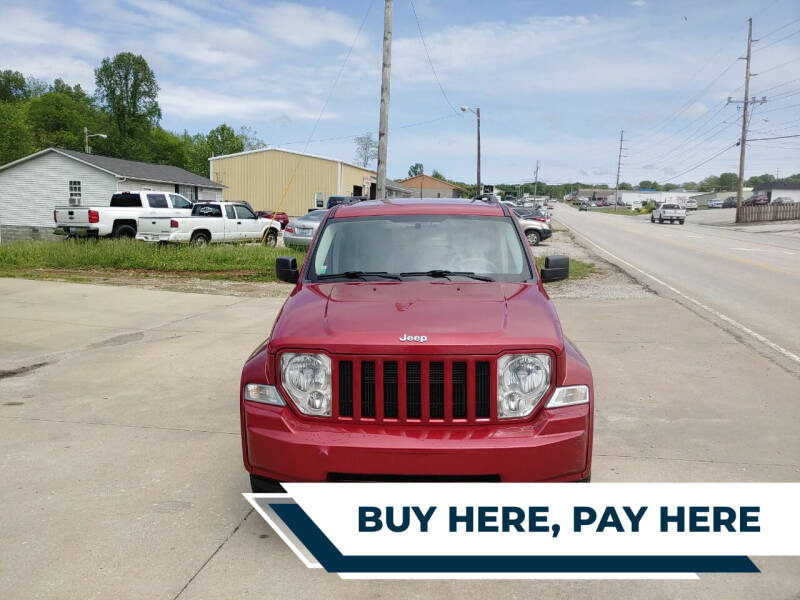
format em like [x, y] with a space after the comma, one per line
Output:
[418, 247]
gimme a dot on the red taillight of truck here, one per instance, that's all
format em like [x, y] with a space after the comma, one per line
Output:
[54, 217]
[94, 216]
[173, 223]
[289, 229]
[541, 219]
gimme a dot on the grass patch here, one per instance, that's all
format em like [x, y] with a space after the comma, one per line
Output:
[578, 269]
[219, 261]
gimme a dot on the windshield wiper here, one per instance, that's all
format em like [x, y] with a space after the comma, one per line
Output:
[360, 275]
[446, 274]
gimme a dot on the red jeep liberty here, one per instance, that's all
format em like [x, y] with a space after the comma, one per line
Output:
[417, 345]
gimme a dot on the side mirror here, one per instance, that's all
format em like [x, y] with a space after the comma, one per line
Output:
[286, 269]
[555, 268]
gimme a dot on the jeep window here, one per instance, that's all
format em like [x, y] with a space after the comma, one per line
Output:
[229, 211]
[244, 213]
[394, 244]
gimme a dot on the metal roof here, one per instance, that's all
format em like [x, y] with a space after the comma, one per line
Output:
[130, 169]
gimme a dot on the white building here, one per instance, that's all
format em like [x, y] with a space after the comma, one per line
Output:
[32, 186]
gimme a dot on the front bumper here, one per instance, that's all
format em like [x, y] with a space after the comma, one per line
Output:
[554, 446]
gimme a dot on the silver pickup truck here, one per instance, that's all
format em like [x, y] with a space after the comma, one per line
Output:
[668, 212]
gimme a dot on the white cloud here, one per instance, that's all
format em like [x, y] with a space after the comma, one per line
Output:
[697, 109]
[304, 26]
[192, 103]
[638, 2]
[31, 28]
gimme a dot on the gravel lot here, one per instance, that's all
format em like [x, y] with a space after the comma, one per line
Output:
[607, 283]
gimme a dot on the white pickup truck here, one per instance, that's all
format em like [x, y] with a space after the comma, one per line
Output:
[211, 222]
[120, 217]
[668, 212]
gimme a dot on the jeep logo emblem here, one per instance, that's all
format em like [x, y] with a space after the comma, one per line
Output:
[414, 338]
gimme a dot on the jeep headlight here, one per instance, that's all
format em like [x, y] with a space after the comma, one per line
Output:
[522, 380]
[307, 380]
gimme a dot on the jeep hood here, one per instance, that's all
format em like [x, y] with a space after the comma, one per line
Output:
[463, 317]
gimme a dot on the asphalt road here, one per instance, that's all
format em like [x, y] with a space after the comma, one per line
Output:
[746, 282]
[120, 452]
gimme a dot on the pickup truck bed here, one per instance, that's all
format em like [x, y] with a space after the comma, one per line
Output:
[669, 213]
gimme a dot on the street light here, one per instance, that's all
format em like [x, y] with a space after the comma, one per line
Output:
[87, 135]
[477, 113]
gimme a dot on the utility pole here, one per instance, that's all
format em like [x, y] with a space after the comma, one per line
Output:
[743, 139]
[478, 114]
[536, 181]
[619, 164]
[383, 125]
[86, 140]
[746, 102]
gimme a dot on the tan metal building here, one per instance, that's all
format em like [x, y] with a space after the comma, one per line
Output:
[432, 187]
[261, 176]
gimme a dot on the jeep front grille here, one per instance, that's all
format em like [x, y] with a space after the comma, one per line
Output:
[404, 389]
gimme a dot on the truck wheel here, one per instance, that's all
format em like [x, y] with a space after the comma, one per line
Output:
[124, 231]
[681, 221]
[199, 239]
[262, 485]
[660, 220]
[272, 238]
[533, 238]
[652, 219]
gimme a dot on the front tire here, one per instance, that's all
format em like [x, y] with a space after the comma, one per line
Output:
[199, 239]
[652, 219]
[681, 221]
[533, 238]
[271, 238]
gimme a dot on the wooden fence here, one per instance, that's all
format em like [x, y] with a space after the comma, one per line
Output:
[768, 212]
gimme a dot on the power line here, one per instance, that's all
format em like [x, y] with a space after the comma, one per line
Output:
[700, 164]
[779, 40]
[784, 26]
[777, 66]
[777, 137]
[430, 62]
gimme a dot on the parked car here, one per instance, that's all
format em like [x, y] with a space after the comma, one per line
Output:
[784, 200]
[668, 212]
[418, 342]
[756, 201]
[299, 232]
[583, 206]
[730, 202]
[210, 222]
[280, 217]
[336, 200]
[691, 204]
[535, 227]
[714, 203]
[120, 218]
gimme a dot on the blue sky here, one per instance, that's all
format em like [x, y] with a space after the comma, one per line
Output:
[555, 80]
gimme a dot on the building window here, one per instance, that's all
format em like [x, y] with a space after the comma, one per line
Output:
[74, 193]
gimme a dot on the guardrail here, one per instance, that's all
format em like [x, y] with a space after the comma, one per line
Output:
[768, 212]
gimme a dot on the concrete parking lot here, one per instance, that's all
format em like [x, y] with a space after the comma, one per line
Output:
[121, 459]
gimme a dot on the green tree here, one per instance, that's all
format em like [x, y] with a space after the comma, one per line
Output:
[709, 184]
[415, 169]
[13, 86]
[250, 139]
[669, 186]
[438, 175]
[623, 185]
[16, 139]
[728, 181]
[57, 119]
[649, 185]
[759, 180]
[127, 89]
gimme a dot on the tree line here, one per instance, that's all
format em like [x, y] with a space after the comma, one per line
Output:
[35, 114]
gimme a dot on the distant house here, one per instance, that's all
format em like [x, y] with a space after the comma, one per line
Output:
[32, 186]
[779, 189]
[595, 194]
[425, 186]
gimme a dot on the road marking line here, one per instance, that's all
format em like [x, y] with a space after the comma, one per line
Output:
[716, 313]
[762, 250]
